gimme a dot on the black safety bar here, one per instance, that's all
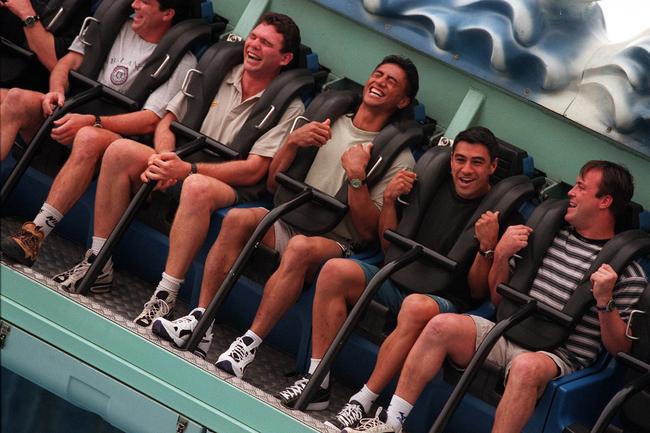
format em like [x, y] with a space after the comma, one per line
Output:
[414, 252]
[17, 49]
[198, 142]
[306, 194]
[530, 307]
[95, 91]
[635, 386]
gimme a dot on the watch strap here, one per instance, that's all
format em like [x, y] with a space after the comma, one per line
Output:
[31, 20]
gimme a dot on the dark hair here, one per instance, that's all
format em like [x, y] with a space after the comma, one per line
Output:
[289, 31]
[412, 76]
[181, 8]
[479, 135]
[616, 181]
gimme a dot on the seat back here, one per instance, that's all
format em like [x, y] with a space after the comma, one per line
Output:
[433, 170]
[58, 14]
[538, 332]
[312, 218]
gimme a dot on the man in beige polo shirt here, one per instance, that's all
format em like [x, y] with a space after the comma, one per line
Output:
[270, 46]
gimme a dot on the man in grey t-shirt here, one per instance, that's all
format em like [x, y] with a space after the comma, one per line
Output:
[89, 134]
[342, 159]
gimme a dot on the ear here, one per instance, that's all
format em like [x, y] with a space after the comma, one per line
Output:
[404, 102]
[606, 201]
[169, 15]
[286, 59]
[494, 164]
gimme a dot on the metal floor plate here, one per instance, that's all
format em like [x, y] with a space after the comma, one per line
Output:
[266, 375]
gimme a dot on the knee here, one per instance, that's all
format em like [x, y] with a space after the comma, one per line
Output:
[120, 154]
[14, 101]
[416, 311]
[239, 220]
[335, 277]
[441, 328]
[196, 191]
[528, 370]
[88, 144]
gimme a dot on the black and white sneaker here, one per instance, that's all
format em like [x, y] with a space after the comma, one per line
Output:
[179, 331]
[237, 357]
[349, 416]
[290, 395]
[378, 424]
[70, 279]
[161, 304]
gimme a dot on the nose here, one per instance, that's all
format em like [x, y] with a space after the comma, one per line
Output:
[572, 192]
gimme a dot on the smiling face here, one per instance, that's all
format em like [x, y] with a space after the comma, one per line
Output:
[471, 168]
[387, 88]
[263, 51]
[149, 19]
[584, 203]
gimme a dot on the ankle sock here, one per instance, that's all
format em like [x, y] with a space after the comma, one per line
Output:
[251, 339]
[168, 287]
[397, 412]
[47, 218]
[365, 397]
[96, 247]
[312, 367]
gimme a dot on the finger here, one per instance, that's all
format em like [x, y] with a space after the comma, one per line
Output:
[327, 122]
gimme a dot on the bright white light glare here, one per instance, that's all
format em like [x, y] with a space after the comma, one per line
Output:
[625, 19]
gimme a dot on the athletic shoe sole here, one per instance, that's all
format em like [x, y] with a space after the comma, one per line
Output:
[12, 250]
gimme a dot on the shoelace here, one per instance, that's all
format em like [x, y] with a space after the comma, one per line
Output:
[153, 306]
[295, 389]
[77, 269]
[240, 351]
[350, 414]
[368, 423]
[29, 239]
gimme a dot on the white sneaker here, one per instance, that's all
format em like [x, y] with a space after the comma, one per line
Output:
[237, 357]
[161, 304]
[377, 424]
[70, 279]
[179, 331]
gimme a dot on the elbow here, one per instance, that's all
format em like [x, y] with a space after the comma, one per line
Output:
[150, 126]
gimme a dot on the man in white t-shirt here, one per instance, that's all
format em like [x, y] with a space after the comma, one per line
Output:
[91, 134]
[341, 160]
[206, 186]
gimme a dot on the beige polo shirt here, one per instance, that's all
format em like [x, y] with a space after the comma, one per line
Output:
[228, 113]
[327, 173]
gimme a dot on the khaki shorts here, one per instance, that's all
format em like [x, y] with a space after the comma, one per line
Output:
[505, 351]
[284, 232]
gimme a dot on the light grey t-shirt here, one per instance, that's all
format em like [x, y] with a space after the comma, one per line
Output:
[125, 60]
[327, 173]
[228, 113]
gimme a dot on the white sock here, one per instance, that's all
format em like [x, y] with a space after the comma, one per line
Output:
[97, 244]
[365, 397]
[169, 284]
[47, 218]
[312, 367]
[256, 340]
[397, 412]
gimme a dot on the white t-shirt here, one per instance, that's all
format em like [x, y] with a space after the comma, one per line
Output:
[126, 58]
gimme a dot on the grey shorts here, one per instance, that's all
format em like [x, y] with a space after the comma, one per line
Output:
[284, 232]
[505, 351]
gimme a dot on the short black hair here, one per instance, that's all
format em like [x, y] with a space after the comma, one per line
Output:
[181, 8]
[479, 135]
[289, 31]
[412, 76]
[616, 181]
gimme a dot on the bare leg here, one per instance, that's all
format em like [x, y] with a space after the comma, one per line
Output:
[339, 284]
[417, 310]
[76, 174]
[238, 226]
[528, 377]
[20, 111]
[200, 197]
[299, 262]
[452, 335]
[122, 165]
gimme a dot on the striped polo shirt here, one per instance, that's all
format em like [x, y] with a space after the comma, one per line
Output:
[563, 267]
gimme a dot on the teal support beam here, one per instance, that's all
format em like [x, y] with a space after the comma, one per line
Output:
[250, 17]
[466, 113]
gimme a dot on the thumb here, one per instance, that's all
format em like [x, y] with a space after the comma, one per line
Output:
[496, 213]
[327, 122]
[367, 147]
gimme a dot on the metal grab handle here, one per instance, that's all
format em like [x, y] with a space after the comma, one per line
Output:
[160, 68]
[271, 110]
[186, 81]
[56, 17]
[295, 122]
[84, 29]
[628, 327]
[319, 196]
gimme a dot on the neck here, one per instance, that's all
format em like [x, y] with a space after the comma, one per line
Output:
[370, 119]
[154, 36]
[598, 228]
[252, 84]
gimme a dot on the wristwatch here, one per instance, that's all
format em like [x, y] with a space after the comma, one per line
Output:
[31, 20]
[608, 308]
[356, 183]
[488, 254]
[193, 168]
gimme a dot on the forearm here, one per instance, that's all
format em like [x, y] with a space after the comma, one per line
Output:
[612, 328]
[363, 212]
[59, 76]
[281, 161]
[478, 275]
[41, 42]
[387, 221]
[499, 273]
[164, 139]
[136, 123]
[237, 173]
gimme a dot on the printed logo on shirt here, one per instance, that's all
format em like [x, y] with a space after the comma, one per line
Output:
[119, 75]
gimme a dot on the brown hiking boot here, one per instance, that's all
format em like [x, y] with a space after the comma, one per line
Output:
[24, 246]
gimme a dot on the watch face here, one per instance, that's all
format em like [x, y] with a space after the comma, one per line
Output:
[356, 183]
[30, 21]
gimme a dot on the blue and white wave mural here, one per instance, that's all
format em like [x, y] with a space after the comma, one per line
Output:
[556, 53]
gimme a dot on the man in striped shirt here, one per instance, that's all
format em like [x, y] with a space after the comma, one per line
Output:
[603, 189]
